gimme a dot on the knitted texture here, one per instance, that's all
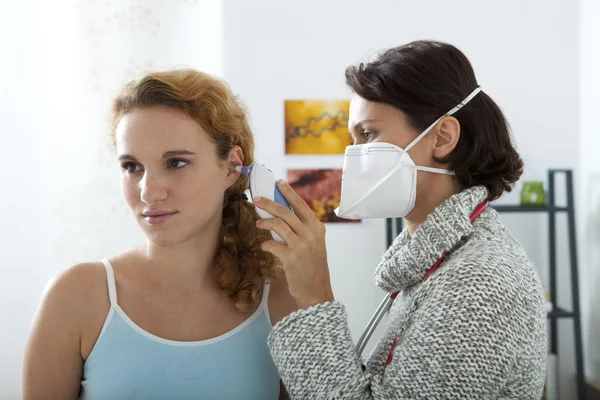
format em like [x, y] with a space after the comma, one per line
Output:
[476, 329]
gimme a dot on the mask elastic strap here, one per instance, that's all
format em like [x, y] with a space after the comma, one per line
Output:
[455, 109]
[422, 135]
[434, 170]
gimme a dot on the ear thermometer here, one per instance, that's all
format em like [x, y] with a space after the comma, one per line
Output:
[263, 183]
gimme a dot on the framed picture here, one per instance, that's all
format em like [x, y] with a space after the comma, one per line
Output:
[321, 189]
[316, 126]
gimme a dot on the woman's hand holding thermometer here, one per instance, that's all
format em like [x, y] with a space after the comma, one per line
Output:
[299, 236]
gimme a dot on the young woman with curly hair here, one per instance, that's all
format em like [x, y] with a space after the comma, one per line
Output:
[187, 314]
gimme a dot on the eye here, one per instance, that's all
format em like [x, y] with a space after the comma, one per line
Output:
[131, 167]
[177, 163]
[368, 135]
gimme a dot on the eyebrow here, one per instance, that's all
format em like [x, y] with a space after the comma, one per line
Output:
[168, 154]
[126, 157]
[174, 153]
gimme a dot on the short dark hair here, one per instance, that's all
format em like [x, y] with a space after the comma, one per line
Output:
[425, 80]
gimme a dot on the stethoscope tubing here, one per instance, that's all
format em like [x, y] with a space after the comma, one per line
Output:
[383, 308]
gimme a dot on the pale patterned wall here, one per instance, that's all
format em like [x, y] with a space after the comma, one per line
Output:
[108, 44]
[64, 61]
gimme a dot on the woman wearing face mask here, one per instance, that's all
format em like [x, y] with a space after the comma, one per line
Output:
[185, 316]
[468, 320]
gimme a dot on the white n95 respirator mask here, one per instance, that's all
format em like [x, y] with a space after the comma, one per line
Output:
[379, 179]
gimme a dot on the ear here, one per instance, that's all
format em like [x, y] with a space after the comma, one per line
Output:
[447, 137]
[235, 158]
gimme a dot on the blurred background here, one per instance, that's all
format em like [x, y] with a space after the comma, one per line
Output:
[62, 62]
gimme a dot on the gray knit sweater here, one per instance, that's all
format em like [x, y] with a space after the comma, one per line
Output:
[476, 329]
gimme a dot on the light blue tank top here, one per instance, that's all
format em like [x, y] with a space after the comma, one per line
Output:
[129, 363]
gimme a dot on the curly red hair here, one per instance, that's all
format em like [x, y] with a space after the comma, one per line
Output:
[241, 268]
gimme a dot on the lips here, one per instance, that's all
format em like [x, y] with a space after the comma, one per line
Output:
[158, 216]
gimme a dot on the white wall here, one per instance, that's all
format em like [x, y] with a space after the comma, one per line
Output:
[526, 58]
[63, 62]
[21, 155]
[589, 215]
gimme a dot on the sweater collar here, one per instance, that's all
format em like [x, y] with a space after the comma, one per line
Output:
[408, 259]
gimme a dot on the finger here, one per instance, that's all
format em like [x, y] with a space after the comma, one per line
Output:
[280, 227]
[277, 249]
[280, 211]
[304, 212]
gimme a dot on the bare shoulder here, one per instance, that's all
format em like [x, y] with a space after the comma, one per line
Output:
[75, 286]
[76, 296]
[77, 299]
[281, 302]
[85, 279]
[69, 309]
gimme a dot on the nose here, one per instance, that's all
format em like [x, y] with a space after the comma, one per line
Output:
[153, 188]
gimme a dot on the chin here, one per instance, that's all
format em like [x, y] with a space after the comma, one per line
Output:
[169, 237]
[173, 233]
[163, 237]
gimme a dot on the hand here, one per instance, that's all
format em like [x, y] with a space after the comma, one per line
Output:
[304, 255]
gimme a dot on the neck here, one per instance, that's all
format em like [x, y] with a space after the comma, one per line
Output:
[434, 192]
[186, 264]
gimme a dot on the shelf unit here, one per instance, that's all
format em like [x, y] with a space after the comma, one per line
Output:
[551, 209]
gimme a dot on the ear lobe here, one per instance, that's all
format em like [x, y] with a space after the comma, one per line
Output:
[447, 137]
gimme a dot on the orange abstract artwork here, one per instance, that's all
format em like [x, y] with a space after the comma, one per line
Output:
[316, 126]
[320, 189]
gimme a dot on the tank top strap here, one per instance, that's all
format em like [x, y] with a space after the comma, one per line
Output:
[110, 280]
[264, 302]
